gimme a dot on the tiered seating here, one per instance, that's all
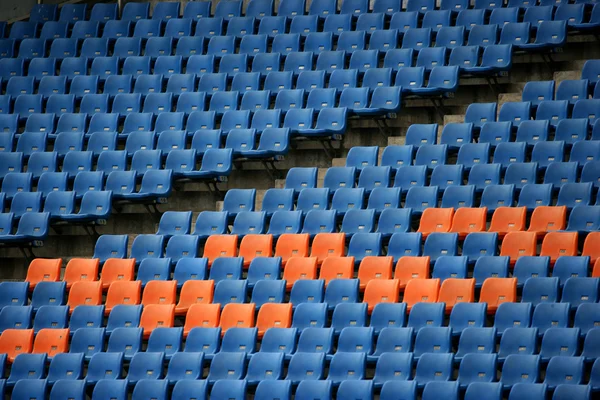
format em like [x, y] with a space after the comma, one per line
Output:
[461, 268]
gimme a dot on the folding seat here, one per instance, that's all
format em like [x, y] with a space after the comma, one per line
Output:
[558, 244]
[432, 340]
[545, 153]
[559, 342]
[564, 370]
[533, 132]
[88, 341]
[51, 342]
[15, 182]
[547, 218]
[572, 90]
[54, 30]
[226, 268]
[346, 366]
[495, 267]
[151, 269]
[537, 91]
[536, 291]
[318, 43]
[31, 48]
[18, 85]
[15, 317]
[433, 367]
[578, 291]
[517, 341]
[80, 269]
[496, 291]
[523, 377]
[27, 366]
[586, 109]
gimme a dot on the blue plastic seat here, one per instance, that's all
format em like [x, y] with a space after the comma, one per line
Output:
[15, 317]
[564, 370]
[87, 341]
[50, 317]
[230, 291]
[572, 131]
[404, 244]
[467, 315]
[145, 366]
[520, 370]
[577, 291]
[559, 342]
[490, 267]
[309, 315]
[432, 340]
[346, 366]
[474, 338]
[65, 368]
[27, 367]
[517, 341]
[227, 366]
[560, 173]
[126, 317]
[346, 313]
[530, 267]
[104, 366]
[513, 315]
[433, 367]
[426, 315]
[520, 174]
[539, 290]
[303, 291]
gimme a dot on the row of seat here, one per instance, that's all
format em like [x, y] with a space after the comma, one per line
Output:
[519, 366]
[510, 166]
[258, 9]
[282, 389]
[372, 24]
[549, 34]
[205, 324]
[514, 244]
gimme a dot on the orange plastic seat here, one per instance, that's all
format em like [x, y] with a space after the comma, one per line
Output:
[273, 315]
[421, 291]
[81, 269]
[253, 246]
[157, 316]
[374, 268]
[496, 291]
[237, 315]
[508, 219]
[117, 269]
[123, 292]
[299, 268]
[591, 246]
[546, 219]
[220, 246]
[381, 291]
[328, 245]
[194, 292]
[468, 220]
[51, 341]
[337, 268]
[43, 270]
[409, 268]
[16, 341]
[557, 244]
[160, 292]
[519, 244]
[292, 245]
[85, 293]
[202, 316]
[436, 220]
[455, 291]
